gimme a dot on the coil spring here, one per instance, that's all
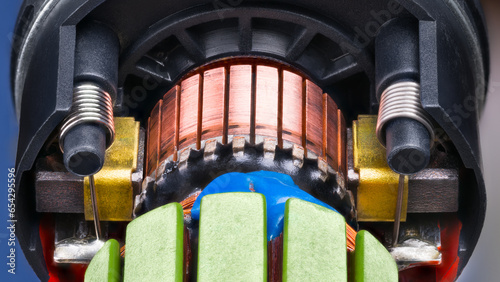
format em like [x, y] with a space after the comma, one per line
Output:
[401, 100]
[91, 104]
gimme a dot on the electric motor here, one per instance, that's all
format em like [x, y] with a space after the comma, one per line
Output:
[299, 115]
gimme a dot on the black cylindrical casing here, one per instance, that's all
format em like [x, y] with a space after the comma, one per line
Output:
[396, 53]
[84, 149]
[397, 60]
[96, 61]
[408, 145]
[96, 56]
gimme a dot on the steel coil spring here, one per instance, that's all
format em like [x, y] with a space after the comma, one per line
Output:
[401, 100]
[91, 104]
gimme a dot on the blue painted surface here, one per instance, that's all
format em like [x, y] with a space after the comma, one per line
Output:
[8, 142]
[276, 187]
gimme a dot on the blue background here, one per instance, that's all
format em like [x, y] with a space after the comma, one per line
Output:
[485, 262]
[8, 140]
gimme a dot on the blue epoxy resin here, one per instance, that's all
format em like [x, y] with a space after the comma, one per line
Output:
[276, 187]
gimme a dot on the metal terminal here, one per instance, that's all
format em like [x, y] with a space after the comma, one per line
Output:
[78, 251]
[378, 184]
[74, 241]
[415, 252]
[401, 100]
[419, 243]
[115, 177]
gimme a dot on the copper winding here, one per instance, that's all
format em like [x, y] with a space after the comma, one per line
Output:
[246, 97]
[187, 203]
[275, 259]
[188, 254]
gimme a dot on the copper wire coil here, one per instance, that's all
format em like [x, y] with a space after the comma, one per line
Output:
[247, 97]
[275, 259]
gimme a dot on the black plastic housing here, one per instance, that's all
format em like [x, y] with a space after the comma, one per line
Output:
[84, 149]
[397, 56]
[97, 53]
[330, 41]
[408, 145]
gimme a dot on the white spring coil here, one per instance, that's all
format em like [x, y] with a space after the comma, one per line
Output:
[401, 100]
[91, 104]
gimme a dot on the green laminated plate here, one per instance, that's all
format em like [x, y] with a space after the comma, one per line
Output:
[105, 266]
[232, 239]
[314, 243]
[154, 243]
[372, 262]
